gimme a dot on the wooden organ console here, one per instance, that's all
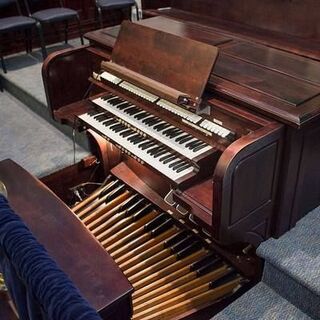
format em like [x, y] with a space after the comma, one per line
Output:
[206, 130]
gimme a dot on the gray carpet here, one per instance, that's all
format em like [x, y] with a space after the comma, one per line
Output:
[24, 81]
[24, 70]
[290, 287]
[297, 251]
[31, 141]
[261, 303]
[293, 264]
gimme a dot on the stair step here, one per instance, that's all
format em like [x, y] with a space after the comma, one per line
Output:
[261, 303]
[292, 266]
[33, 143]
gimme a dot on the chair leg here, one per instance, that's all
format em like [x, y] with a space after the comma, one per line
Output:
[42, 44]
[66, 26]
[26, 40]
[28, 37]
[3, 64]
[100, 17]
[80, 30]
[2, 61]
[137, 10]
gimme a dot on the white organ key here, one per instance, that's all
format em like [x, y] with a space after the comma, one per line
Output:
[110, 77]
[138, 91]
[135, 149]
[185, 114]
[215, 128]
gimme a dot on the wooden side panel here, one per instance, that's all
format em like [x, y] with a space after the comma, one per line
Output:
[300, 177]
[245, 185]
[65, 75]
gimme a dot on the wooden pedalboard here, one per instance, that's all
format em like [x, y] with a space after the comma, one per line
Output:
[165, 283]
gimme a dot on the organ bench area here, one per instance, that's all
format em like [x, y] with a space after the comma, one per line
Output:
[207, 145]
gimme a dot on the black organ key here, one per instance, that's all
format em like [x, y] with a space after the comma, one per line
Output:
[166, 157]
[132, 138]
[116, 126]
[132, 110]
[106, 97]
[100, 117]
[142, 115]
[145, 120]
[115, 101]
[153, 150]
[162, 126]
[186, 139]
[146, 145]
[188, 165]
[170, 159]
[182, 137]
[123, 105]
[178, 165]
[126, 133]
[109, 122]
[168, 131]
[138, 140]
[154, 122]
[191, 144]
[161, 152]
[173, 164]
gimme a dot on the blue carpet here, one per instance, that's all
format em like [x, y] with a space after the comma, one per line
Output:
[31, 141]
[261, 303]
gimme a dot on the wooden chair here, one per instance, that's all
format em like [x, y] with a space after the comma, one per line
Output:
[104, 5]
[52, 15]
[16, 23]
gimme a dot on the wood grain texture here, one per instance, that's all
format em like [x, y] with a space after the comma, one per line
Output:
[80, 256]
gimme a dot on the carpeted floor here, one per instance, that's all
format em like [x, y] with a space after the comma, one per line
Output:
[31, 141]
[24, 70]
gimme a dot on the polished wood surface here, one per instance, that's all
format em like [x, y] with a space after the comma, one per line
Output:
[256, 20]
[80, 256]
[172, 55]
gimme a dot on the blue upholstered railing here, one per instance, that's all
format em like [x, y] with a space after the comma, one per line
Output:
[37, 286]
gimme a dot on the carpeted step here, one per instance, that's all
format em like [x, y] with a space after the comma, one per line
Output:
[292, 266]
[24, 81]
[32, 142]
[261, 303]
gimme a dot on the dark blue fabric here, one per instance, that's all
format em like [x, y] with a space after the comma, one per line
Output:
[16, 23]
[115, 4]
[54, 14]
[38, 287]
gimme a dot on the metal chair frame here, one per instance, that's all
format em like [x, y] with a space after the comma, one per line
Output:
[100, 9]
[28, 35]
[40, 29]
